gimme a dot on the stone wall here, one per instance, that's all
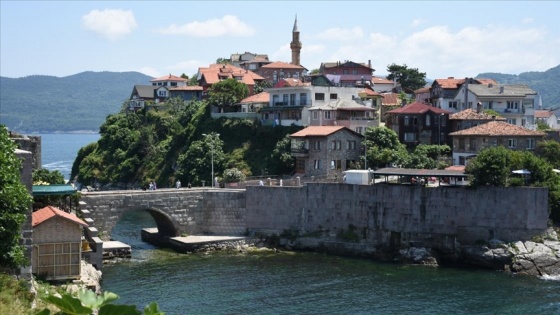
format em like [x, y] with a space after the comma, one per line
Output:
[387, 215]
[399, 213]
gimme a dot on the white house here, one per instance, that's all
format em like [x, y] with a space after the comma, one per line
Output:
[548, 117]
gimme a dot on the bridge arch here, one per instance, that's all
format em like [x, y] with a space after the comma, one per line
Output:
[165, 225]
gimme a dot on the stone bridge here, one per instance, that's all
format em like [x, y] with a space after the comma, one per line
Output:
[175, 211]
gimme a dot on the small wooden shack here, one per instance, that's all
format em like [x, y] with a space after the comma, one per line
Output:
[57, 244]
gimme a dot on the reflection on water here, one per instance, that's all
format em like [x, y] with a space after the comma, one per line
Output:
[308, 283]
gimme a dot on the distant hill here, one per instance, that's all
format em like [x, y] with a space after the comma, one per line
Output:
[546, 83]
[41, 103]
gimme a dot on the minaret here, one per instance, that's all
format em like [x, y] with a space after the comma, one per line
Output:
[295, 45]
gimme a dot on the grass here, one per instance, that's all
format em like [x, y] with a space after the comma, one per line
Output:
[15, 296]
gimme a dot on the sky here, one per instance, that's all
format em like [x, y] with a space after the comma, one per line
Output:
[440, 38]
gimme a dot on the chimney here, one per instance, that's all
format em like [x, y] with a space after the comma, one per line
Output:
[479, 107]
[501, 90]
[450, 78]
[490, 85]
[369, 63]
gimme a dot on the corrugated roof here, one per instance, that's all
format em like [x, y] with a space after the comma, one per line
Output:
[49, 190]
[418, 108]
[50, 212]
[390, 99]
[515, 90]
[497, 128]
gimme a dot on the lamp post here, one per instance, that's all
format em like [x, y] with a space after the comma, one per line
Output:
[365, 155]
[212, 150]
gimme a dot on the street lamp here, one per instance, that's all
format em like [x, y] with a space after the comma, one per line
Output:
[365, 155]
[212, 148]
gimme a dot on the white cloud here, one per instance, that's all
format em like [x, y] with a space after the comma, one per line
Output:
[150, 72]
[527, 20]
[228, 25]
[416, 22]
[342, 34]
[188, 67]
[110, 24]
[440, 52]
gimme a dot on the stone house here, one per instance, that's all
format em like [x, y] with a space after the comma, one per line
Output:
[418, 123]
[57, 244]
[468, 142]
[325, 151]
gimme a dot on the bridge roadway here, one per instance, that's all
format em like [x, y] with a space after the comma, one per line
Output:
[176, 212]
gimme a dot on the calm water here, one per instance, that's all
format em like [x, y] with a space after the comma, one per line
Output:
[60, 150]
[298, 283]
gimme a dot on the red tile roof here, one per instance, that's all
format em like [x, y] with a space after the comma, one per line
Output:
[471, 114]
[289, 82]
[49, 212]
[282, 65]
[215, 72]
[390, 99]
[497, 128]
[379, 80]
[422, 90]
[262, 97]
[543, 113]
[450, 83]
[369, 92]
[187, 88]
[318, 131]
[169, 77]
[418, 108]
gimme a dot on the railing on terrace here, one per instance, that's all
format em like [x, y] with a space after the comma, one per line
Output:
[238, 115]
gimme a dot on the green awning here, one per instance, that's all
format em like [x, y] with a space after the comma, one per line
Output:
[52, 190]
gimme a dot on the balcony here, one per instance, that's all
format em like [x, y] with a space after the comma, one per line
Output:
[300, 152]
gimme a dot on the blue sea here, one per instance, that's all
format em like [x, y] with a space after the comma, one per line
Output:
[297, 283]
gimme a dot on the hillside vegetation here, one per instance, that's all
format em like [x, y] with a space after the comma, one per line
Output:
[169, 143]
[82, 101]
[547, 83]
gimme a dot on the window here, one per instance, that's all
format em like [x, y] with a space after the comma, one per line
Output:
[512, 121]
[470, 105]
[315, 114]
[327, 114]
[472, 144]
[414, 121]
[344, 71]
[286, 99]
[303, 99]
[523, 122]
[359, 129]
[461, 144]
[333, 96]
[395, 119]
[336, 164]
[512, 105]
[317, 164]
[316, 144]
[409, 137]
[253, 66]
[161, 93]
[530, 144]
[453, 104]
[428, 122]
[406, 120]
[354, 71]
[512, 143]
[292, 99]
[319, 96]
[337, 145]
[351, 144]
[275, 100]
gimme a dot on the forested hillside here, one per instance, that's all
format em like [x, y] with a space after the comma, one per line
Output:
[547, 83]
[78, 102]
[180, 141]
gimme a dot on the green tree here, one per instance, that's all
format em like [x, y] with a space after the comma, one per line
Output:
[550, 151]
[195, 165]
[491, 112]
[48, 177]
[223, 61]
[542, 126]
[227, 93]
[407, 77]
[14, 204]
[193, 81]
[314, 71]
[382, 147]
[260, 86]
[490, 167]
[282, 158]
